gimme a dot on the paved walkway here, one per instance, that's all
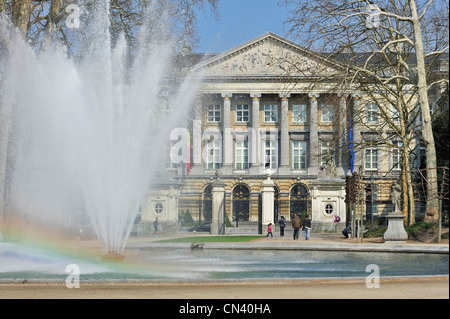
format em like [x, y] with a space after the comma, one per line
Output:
[324, 242]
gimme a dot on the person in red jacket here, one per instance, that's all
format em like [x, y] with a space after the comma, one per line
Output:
[269, 230]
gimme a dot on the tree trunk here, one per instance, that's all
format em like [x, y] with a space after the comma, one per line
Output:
[412, 207]
[405, 194]
[20, 16]
[431, 214]
[53, 15]
[2, 6]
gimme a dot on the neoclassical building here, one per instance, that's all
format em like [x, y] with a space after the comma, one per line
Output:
[267, 140]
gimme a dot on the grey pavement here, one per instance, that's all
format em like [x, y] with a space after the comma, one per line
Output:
[317, 242]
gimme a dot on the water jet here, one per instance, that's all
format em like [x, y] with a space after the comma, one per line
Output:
[83, 134]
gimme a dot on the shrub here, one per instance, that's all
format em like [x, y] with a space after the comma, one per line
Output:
[418, 228]
[227, 221]
[186, 219]
[375, 232]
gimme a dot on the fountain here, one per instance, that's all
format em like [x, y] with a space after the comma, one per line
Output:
[82, 134]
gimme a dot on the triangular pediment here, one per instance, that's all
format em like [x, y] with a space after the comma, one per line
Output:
[268, 55]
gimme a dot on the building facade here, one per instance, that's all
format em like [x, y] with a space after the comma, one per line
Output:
[266, 140]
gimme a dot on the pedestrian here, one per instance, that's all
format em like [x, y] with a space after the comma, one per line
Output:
[269, 230]
[155, 226]
[282, 223]
[296, 224]
[347, 229]
[307, 227]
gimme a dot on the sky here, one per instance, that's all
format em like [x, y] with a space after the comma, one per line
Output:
[239, 21]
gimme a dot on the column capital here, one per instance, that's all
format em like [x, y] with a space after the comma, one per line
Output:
[226, 96]
[285, 96]
[343, 96]
[313, 95]
[357, 95]
[255, 96]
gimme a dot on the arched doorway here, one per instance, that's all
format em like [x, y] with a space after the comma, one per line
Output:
[207, 204]
[241, 203]
[299, 200]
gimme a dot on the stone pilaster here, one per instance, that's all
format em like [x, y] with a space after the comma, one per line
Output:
[227, 138]
[268, 193]
[342, 159]
[218, 207]
[255, 147]
[356, 124]
[313, 161]
[197, 167]
[284, 134]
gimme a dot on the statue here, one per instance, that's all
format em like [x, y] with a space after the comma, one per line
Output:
[396, 192]
[396, 231]
[329, 168]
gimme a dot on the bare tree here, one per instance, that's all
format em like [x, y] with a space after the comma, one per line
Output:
[34, 18]
[364, 36]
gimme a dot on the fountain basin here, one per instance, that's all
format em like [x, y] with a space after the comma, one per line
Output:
[19, 262]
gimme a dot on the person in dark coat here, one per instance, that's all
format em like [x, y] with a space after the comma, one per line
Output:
[296, 224]
[347, 229]
[306, 227]
[282, 223]
[155, 226]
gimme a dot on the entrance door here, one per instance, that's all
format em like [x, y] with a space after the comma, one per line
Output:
[299, 200]
[241, 203]
[207, 204]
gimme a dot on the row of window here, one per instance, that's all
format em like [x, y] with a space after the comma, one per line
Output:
[299, 113]
[371, 158]
[298, 155]
[241, 155]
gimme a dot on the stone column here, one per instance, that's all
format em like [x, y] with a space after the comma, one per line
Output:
[284, 136]
[313, 163]
[218, 207]
[356, 125]
[255, 146]
[227, 138]
[268, 193]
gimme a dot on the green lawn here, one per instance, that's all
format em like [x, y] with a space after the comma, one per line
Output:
[211, 239]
